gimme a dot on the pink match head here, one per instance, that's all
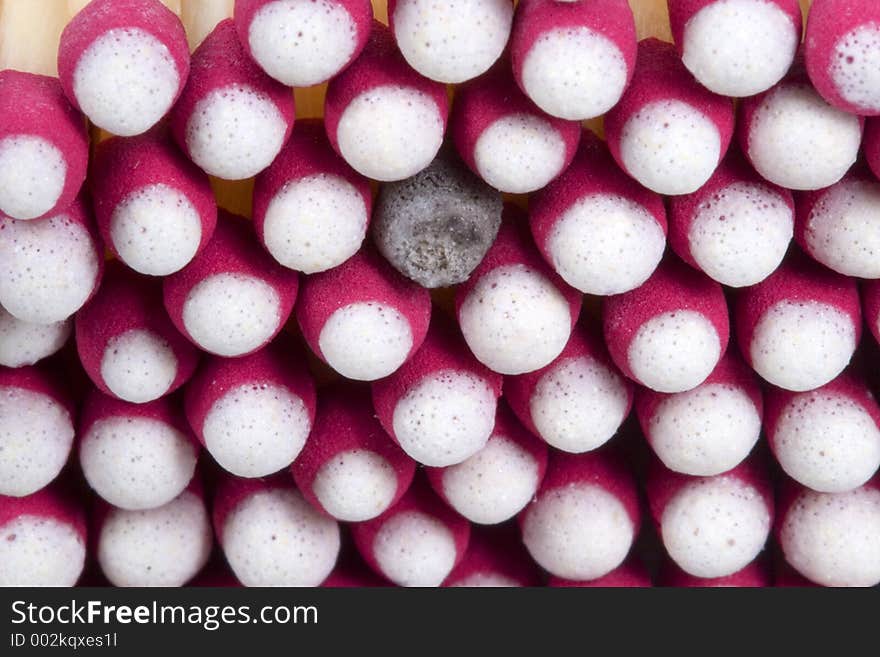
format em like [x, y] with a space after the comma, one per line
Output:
[350, 468]
[668, 132]
[573, 59]
[303, 44]
[155, 209]
[363, 318]
[44, 147]
[232, 119]
[440, 405]
[138, 46]
[494, 558]
[232, 298]
[670, 333]
[571, 223]
[630, 574]
[311, 210]
[382, 117]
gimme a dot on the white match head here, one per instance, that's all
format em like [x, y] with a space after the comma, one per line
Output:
[302, 42]
[390, 132]
[445, 418]
[674, 351]
[843, 229]
[606, 244]
[138, 366]
[125, 81]
[494, 484]
[519, 153]
[855, 67]
[739, 236]
[827, 442]
[578, 405]
[48, 268]
[799, 141]
[670, 147]
[156, 230]
[414, 549]
[40, 551]
[32, 176]
[515, 320]
[315, 223]
[136, 462]
[485, 580]
[231, 314]
[36, 434]
[275, 538]
[254, 430]
[355, 485]
[452, 42]
[25, 343]
[740, 47]
[705, 431]
[833, 539]
[166, 546]
[715, 526]
[579, 532]
[802, 345]
[366, 341]
[574, 73]
[235, 132]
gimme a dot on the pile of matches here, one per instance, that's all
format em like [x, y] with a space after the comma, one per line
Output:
[467, 335]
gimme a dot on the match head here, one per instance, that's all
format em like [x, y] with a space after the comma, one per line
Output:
[51, 267]
[736, 228]
[232, 298]
[494, 558]
[363, 318]
[670, 333]
[271, 536]
[44, 147]
[712, 526]
[126, 342]
[668, 132]
[826, 439]
[42, 539]
[254, 413]
[577, 402]
[37, 417]
[505, 138]
[301, 43]
[311, 209]
[842, 52]
[350, 468]
[601, 231]
[515, 313]
[27, 343]
[630, 574]
[754, 575]
[154, 208]
[837, 225]
[495, 483]
[799, 327]
[382, 117]
[585, 517]
[710, 429]
[123, 63]
[833, 539]
[440, 406]
[573, 59]
[736, 47]
[232, 119]
[135, 456]
[166, 546]
[794, 138]
[450, 44]
[436, 226]
[417, 542]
